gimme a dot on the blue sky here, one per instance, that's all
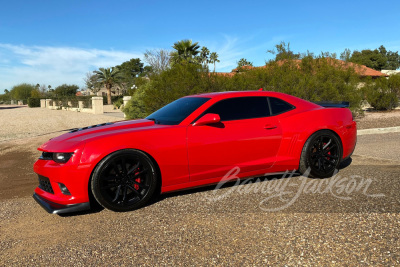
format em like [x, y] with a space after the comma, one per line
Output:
[56, 42]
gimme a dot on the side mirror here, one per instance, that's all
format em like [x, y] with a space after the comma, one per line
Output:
[208, 118]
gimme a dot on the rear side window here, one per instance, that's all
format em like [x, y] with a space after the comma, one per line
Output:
[241, 108]
[279, 106]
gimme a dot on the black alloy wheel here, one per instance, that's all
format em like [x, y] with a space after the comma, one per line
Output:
[124, 180]
[321, 154]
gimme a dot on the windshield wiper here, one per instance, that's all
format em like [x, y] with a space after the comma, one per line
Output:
[153, 119]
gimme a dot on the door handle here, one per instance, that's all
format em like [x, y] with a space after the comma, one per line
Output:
[270, 127]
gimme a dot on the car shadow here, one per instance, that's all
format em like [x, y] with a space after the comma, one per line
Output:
[345, 163]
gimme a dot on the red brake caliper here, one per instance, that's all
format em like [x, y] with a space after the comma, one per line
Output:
[137, 180]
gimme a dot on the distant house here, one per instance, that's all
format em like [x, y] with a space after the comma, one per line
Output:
[361, 70]
[391, 72]
[114, 91]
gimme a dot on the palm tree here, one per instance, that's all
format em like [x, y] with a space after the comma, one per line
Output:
[214, 58]
[109, 77]
[204, 56]
[185, 50]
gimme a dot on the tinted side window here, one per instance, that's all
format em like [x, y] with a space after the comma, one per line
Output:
[175, 112]
[240, 108]
[279, 106]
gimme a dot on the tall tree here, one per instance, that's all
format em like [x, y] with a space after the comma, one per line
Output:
[109, 77]
[214, 59]
[185, 50]
[91, 82]
[159, 60]
[130, 70]
[243, 62]
[204, 60]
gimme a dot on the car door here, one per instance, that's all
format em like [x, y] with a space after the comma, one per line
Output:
[247, 137]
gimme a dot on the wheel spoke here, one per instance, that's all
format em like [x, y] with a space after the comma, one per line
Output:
[323, 164]
[330, 163]
[134, 191]
[124, 194]
[319, 163]
[330, 148]
[117, 193]
[327, 144]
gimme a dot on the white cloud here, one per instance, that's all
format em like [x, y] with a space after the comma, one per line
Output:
[232, 49]
[53, 65]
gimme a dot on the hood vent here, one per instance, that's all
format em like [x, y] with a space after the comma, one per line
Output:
[90, 127]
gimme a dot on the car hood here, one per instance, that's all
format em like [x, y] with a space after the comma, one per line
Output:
[76, 138]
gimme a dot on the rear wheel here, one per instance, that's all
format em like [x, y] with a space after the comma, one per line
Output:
[321, 155]
[124, 180]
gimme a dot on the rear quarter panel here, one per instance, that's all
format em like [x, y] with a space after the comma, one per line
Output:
[297, 128]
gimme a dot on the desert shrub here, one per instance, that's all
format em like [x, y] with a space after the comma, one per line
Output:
[383, 93]
[33, 102]
[313, 79]
[135, 108]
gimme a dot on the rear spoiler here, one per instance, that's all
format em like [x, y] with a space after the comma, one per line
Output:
[333, 104]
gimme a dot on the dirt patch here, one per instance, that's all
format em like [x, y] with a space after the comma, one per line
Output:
[379, 119]
[17, 178]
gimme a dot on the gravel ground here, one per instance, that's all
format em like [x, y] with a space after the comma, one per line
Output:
[22, 122]
[350, 219]
[381, 119]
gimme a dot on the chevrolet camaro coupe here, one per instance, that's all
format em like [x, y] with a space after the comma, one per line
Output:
[194, 141]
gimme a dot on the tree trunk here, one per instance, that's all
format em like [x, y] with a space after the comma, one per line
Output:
[108, 94]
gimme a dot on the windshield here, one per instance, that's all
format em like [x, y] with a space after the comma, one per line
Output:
[175, 112]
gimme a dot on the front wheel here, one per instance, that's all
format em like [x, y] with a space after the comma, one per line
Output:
[321, 155]
[124, 180]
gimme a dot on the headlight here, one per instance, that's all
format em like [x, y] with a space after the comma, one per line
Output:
[62, 157]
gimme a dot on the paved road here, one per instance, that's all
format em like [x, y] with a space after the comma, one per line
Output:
[352, 219]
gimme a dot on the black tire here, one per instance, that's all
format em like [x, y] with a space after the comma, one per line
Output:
[124, 180]
[321, 155]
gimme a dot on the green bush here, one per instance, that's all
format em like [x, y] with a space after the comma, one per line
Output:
[33, 102]
[135, 108]
[313, 79]
[118, 103]
[383, 93]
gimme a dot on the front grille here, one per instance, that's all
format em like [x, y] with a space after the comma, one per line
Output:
[45, 185]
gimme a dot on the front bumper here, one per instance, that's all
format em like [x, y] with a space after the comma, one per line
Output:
[56, 208]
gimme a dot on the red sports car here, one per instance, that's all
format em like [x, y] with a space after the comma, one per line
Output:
[193, 141]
